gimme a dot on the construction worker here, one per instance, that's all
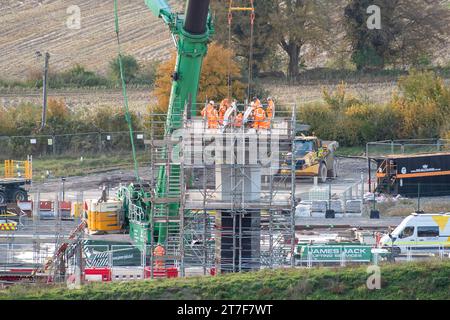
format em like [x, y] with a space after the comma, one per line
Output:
[224, 105]
[210, 113]
[320, 152]
[270, 108]
[256, 103]
[248, 115]
[259, 117]
[159, 253]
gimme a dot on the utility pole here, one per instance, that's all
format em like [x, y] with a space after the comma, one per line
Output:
[44, 86]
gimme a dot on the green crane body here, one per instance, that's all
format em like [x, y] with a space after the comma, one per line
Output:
[192, 32]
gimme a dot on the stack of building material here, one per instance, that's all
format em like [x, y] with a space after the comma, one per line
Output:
[353, 208]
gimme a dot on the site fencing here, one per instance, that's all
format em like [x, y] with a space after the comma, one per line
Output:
[343, 255]
[69, 145]
[405, 147]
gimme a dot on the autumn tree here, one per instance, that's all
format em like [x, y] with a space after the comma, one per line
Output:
[299, 24]
[408, 31]
[423, 103]
[213, 80]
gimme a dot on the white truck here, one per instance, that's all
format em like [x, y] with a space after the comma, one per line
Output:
[419, 233]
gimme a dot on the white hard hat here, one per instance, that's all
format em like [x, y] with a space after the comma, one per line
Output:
[211, 102]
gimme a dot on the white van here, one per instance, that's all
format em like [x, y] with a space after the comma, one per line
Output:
[421, 233]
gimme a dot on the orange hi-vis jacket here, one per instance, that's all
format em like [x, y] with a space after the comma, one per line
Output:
[211, 115]
[159, 252]
[259, 118]
[270, 110]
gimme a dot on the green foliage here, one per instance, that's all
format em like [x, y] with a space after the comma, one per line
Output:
[420, 111]
[130, 68]
[147, 74]
[77, 77]
[367, 58]
[339, 100]
[423, 105]
[430, 282]
[70, 126]
[410, 30]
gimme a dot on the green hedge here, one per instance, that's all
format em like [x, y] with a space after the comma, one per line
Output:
[420, 110]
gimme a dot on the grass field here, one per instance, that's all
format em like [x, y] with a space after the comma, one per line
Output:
[430, 280]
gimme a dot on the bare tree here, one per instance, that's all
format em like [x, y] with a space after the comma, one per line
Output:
[300, 23]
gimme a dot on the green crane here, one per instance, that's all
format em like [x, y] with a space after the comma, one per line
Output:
[191, 32]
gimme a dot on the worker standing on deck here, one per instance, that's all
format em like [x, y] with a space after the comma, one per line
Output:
[224, 105]
[260, 117]
[159, 254]
[210, 113]
[270, 108]
[256, 103]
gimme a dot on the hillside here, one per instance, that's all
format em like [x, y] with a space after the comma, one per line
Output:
[32, 25]
[399, 281]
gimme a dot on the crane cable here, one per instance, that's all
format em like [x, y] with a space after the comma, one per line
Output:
[250, 60]
[124, 92]
[230, 17]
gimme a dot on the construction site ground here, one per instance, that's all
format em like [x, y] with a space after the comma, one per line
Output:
[350, 170]
[45, 231]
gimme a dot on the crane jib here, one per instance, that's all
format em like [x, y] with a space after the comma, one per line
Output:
[192, 31]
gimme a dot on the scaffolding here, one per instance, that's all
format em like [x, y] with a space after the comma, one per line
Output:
[237, 212]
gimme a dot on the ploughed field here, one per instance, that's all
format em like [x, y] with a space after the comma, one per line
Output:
[32, 25]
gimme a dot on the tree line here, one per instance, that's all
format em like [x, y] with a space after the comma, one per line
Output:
[80, 77]
[372, 34]
[420, 109]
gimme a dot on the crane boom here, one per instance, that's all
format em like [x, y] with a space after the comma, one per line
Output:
[192, 32]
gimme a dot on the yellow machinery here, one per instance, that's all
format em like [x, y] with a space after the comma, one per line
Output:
[104, 217]
[312, 158]
[17, 175]
[19, 169]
